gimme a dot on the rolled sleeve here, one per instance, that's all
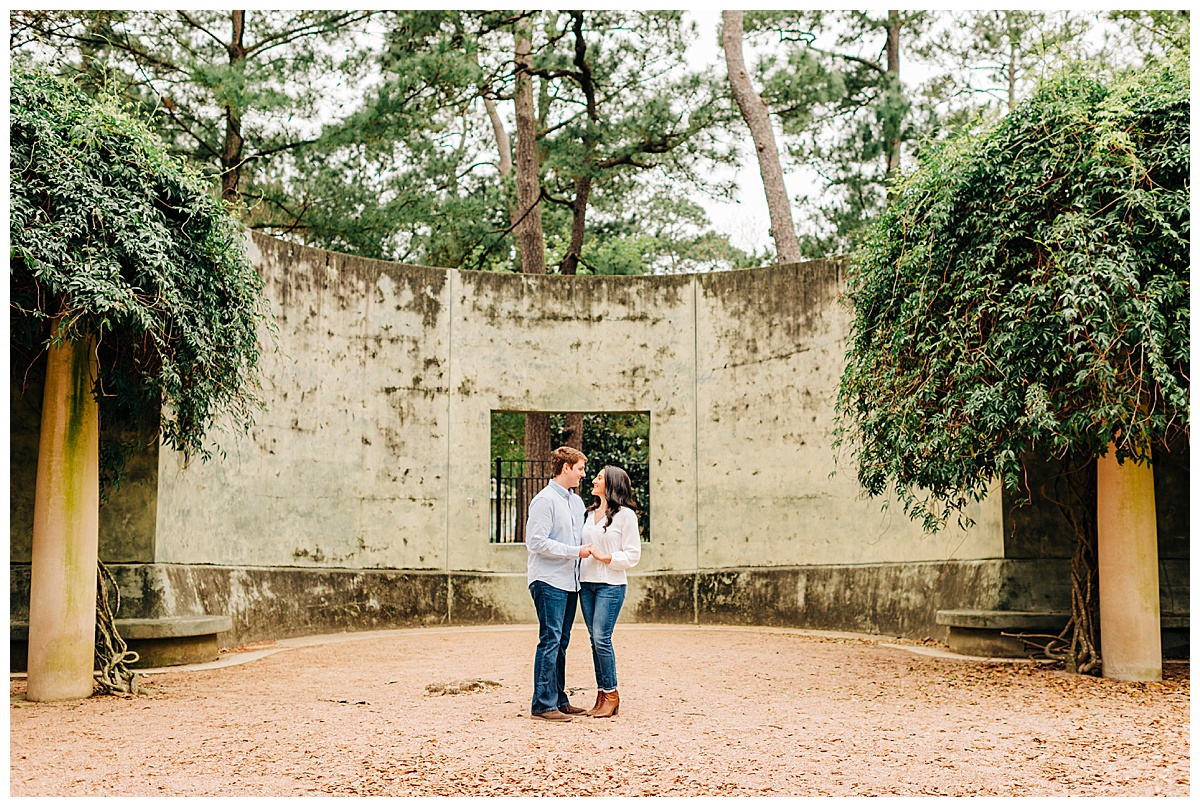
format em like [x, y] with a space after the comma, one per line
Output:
[630, 551]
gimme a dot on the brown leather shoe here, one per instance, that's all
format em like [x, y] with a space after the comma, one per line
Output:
[599, 701]
[570, 710]
[609, 707]
[554, 715]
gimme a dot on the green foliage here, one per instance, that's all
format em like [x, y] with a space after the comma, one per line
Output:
[187, 76]
[128, 245]
[841, 110]
[416, 173]
[1027, 291]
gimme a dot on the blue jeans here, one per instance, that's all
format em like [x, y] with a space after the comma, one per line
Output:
[556, 612]
[601, 603]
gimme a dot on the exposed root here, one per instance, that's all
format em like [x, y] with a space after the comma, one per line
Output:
[113, 676]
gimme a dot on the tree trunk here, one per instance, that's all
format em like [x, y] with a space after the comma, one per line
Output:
[503, 145]
[1075, 495]
[574, 431]
[231, 152]
[537, 447]
[892, 136]
[570, 261]
[583, 185]
[529, 229]
[1127, 554]
[1013, 40]
[62, 598]
[530, 239]
[758, 119]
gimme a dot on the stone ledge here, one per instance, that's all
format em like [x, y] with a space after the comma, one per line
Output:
[1003, 620]
[992, 633]
[1028, 620]
[162, 642]
[172, 627]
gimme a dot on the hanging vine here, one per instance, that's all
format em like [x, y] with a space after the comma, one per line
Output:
[1027, 293]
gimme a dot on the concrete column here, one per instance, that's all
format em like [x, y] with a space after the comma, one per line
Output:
[1127, 556]
[62, 599]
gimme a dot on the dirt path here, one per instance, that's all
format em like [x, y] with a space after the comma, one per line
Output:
[704, 711]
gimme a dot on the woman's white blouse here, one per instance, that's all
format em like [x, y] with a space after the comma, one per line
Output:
[622, 540]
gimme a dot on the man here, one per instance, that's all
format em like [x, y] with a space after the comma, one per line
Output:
[553, 540]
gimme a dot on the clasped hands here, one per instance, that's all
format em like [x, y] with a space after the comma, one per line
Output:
[590, 551]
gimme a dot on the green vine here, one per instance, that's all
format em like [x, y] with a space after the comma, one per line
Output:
[1026, 291]
[1026, 295]
[132, 247]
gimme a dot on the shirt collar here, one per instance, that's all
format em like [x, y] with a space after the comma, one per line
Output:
[560, 490]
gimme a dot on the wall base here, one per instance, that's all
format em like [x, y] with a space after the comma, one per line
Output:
[900, 599]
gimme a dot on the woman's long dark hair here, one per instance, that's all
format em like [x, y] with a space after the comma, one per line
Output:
[617, 490]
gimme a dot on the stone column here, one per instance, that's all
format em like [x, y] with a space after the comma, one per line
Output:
[62, 599]
[1127, 557]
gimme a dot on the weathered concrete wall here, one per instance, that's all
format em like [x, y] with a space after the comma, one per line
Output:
[769, 346]
[373, 451]
[128, 514]
[347, 466]
[360, 498]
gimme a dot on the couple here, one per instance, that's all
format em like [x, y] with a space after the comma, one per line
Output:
[577, 553]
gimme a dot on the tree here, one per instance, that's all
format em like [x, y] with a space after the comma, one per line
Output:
[758, 118]
[424, 171]
[133, 280]
[229, 89]
[997, 57]
[1026, 294]
[529, 210]
[844, 110]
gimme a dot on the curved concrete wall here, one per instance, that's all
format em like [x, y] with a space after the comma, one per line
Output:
[373, 450]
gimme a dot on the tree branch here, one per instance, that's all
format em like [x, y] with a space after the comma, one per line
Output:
[850, 58]
[188, 19]
[284, 37]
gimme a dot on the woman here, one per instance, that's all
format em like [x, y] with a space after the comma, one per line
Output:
[611, 527]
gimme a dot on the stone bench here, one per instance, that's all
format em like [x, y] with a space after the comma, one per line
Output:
[163, 642]
[980, 633]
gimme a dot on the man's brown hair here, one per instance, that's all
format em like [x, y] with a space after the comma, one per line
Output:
[565, 455]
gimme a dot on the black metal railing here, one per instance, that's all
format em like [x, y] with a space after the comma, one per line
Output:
[516, 482]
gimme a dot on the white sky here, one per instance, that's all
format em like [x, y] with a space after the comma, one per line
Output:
[745, 219]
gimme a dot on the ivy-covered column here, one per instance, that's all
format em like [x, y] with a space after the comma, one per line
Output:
[1127, 557]
[62, 599]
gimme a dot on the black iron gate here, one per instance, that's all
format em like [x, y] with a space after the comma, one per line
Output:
[514, 484]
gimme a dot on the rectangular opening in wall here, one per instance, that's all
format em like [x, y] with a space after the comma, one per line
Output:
[609, 438]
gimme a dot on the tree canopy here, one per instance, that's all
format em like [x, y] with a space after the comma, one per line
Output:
[115, 239]
[1026, 290]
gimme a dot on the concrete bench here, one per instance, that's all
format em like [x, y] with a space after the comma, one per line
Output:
[980, 633]
[163, 642]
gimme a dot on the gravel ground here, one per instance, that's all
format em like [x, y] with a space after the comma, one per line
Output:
[704, 711]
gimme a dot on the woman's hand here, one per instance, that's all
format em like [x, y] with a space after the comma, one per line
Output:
[600, 556]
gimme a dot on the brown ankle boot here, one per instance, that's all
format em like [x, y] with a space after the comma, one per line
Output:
[609, 708]
[599, 702]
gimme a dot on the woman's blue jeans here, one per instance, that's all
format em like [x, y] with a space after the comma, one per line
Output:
[601, 603]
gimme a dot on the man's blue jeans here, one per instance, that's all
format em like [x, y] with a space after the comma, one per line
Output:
[601, 603]
[556, 612]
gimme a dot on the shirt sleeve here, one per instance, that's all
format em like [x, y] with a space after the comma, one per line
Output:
[537, 532]
[630, 551]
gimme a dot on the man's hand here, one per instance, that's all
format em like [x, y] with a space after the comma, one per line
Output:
[585, 551]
